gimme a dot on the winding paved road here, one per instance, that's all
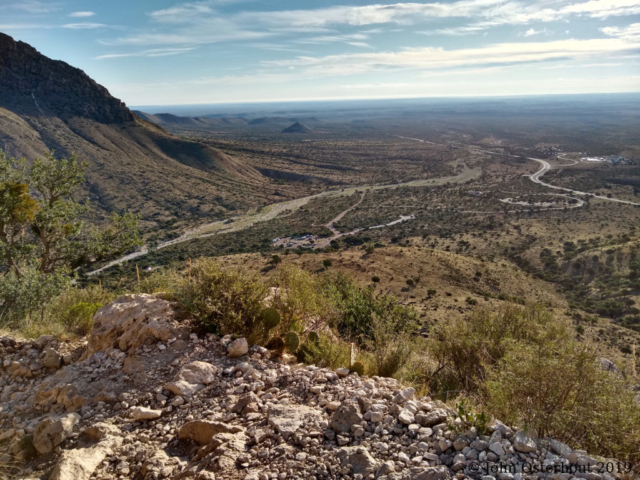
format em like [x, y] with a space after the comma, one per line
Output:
[546, 166]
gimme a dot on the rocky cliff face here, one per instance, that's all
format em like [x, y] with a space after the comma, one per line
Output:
[146, 398]
[32, 84]
[47, 104]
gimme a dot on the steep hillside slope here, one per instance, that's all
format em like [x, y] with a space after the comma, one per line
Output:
[48, 104]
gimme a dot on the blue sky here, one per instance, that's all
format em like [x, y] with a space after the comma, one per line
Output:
[162, 52]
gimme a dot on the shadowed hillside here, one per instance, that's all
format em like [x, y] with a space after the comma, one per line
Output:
[47, 104]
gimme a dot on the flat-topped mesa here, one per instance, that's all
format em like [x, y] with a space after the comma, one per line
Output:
[34, 85]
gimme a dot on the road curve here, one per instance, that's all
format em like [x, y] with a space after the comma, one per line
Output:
[546, 166]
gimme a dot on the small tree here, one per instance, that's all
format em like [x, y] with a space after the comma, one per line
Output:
[326, 263]
[42, 236]
[40, 220]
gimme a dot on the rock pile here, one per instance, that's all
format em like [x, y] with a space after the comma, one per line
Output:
[190, 408]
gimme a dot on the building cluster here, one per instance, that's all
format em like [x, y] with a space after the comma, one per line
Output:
[613, 159]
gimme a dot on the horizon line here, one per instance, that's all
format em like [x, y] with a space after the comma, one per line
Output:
[412, 97]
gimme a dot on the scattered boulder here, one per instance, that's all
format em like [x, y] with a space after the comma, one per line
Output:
[131, 321]
[286, 419]
[432, 418]
[560, 448]
[358, 458]
[431, 473]
[245, 401]
[144, 413]
[51, 359]
[51, 432]
[347, 414]
[524, 443]
[80, 463]
[238, 348]
[192, 378]
[202, 431]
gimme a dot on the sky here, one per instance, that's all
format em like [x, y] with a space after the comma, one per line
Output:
[160, 52]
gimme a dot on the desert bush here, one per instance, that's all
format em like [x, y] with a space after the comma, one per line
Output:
[465, 348]
[387, 349]
[24, 298]
[226, 300]
[357, 307]
[562, 391]
[162, 281]
[75, 307]
[298, 298]
[328, 351]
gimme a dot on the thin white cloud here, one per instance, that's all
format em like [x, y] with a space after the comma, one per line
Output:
[182, 12]
[454, 31]
[155, 52]
[32, 6]
[532, 31]
[348, 38]
[399, 13]
[82, 14]
[202, 22]
[604, 8]
[359, 44]
[630, 33]
[437, 58]
[83, 26]
[22, 26]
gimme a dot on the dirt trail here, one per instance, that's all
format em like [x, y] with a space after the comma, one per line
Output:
[333, 229]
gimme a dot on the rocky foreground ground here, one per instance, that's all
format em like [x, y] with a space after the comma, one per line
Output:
[144, 397]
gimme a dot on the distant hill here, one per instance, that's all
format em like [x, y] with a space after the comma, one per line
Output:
[48, 104]
[171, 119]
[297, 128]
[280, 120]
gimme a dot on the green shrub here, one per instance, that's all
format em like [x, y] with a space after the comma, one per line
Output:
[357, 307]
[328, 351]
[467, 419]
[75, 307]
[298, 298]
[357, 368]
[387, 350]
[227, 300]
[465, 348]
[563, 392]
[24, 299]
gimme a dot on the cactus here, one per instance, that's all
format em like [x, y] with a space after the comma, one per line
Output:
[292, 341]
[313, 337]
[357, 368]
[270, 318]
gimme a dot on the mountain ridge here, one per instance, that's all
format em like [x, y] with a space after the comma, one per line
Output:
[47, 104]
